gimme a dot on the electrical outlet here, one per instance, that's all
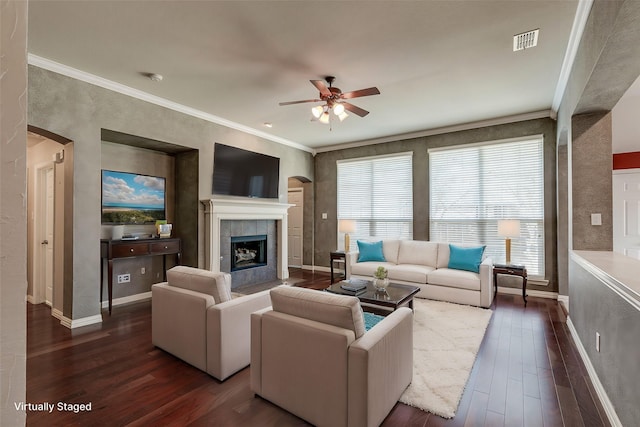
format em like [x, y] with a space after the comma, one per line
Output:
[143, 270]
[124, 278]
[597, 342]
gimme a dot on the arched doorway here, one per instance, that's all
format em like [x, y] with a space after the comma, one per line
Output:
[48, 179]
[300, 222]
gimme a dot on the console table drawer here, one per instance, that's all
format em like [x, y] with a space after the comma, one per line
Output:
[130, 249]
[165, 247]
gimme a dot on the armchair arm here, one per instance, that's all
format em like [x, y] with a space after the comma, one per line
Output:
[486, 282]
[229, 333]
[350, 258]
[178, 322]
[380, 368]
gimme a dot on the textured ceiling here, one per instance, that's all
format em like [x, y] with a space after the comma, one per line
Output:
[436, 63]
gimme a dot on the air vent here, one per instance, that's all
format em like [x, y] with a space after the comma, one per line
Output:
[525, 40]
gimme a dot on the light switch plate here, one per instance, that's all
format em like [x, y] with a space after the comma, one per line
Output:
[596, 219]
[324, 215]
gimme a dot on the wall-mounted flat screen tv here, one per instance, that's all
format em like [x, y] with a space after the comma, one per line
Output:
[131, 198]
[238, 172]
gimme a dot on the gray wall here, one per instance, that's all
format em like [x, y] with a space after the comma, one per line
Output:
[13, 227]
[79, 111]
[595, 307]
[326, 184]
[591, 165]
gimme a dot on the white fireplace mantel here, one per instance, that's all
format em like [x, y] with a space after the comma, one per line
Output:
[216, 210]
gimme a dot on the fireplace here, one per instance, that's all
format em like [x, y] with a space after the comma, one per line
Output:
[248, 252]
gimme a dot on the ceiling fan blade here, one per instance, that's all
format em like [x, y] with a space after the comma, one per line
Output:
[321, 86]
[362, 92]
[299, 102]
[355, 110]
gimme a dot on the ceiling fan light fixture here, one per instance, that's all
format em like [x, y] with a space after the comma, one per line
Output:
[338, 109]
[324, 118]
[343, 116]
[317, 111]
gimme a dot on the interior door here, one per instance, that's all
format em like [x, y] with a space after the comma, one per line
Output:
[295, 214]
[626, 213]
[48, 236]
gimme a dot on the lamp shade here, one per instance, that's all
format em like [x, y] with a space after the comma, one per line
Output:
[509, 227]
[346, 225]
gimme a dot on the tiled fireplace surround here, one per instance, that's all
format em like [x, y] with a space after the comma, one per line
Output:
[248, 227]
[246, 217]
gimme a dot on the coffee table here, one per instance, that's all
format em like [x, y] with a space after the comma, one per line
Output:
[395, 296]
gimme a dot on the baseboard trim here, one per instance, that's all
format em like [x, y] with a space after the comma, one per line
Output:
[126, 300]
[564, 299]
[78, 323]
[57, 314]
[612, 416]
[31, 299]
[321, 268]
[308, 267]
[530, 292]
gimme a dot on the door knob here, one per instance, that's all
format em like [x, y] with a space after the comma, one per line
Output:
[45, 242]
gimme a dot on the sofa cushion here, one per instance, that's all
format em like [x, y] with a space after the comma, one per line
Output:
[418, 252]
[390, 248]
[454, 279]
[218, 285]
[410, 273]
[465, 258]
[368, 268]
[337, 310]
[370, 251]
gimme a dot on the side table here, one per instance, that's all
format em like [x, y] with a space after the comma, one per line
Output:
[511, 270]
[337, 256]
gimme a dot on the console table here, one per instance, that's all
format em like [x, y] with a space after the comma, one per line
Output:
[115, 249]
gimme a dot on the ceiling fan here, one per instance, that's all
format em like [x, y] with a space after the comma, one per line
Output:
[334, 100]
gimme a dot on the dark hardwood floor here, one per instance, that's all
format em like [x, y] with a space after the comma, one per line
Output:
[528, 373]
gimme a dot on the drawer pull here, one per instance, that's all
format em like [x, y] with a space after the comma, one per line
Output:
[131, 250]
[166, 247]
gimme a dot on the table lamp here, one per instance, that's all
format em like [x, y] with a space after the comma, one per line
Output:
[346, 226]
[508, 228]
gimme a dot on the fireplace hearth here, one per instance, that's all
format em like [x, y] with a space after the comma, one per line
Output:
[248, 252]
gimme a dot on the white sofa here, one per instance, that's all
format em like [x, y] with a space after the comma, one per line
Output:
[424, 264]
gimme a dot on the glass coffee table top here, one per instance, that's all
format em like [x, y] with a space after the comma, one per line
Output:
[394, 296]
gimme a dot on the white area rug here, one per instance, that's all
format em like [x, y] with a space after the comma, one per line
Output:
[446, 339]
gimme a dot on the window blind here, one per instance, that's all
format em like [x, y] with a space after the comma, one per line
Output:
[377, 193]
[472, 187]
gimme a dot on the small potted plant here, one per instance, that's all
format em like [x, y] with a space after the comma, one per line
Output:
[380, 279]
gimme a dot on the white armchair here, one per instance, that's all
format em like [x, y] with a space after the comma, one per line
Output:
[311, 356]
[195, 319]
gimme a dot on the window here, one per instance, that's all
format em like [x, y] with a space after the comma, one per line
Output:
[472, 187]
[377, 193]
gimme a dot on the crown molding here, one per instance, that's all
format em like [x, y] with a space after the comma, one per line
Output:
[438, 131]
[74, 73]
[579, 22]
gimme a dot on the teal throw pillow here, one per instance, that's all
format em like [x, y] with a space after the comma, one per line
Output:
[467, 259]
[371, 320]
[370, 251]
